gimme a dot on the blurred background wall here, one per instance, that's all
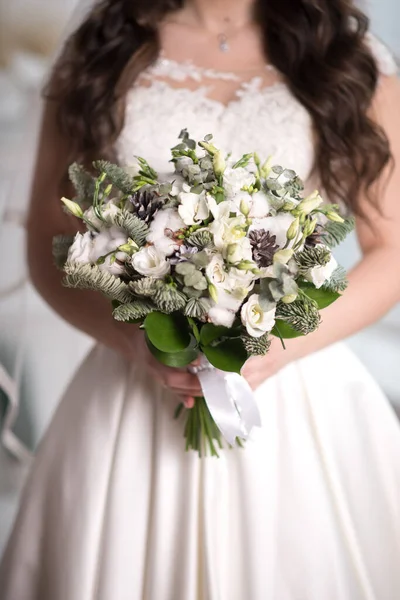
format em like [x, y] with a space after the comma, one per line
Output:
[36, 347]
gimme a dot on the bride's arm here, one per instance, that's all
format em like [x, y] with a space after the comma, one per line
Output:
[88, 311]
[374, 284]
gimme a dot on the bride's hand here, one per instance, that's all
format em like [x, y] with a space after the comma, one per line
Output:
[184, 384]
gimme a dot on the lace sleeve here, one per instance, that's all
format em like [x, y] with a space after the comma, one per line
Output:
[384, 58]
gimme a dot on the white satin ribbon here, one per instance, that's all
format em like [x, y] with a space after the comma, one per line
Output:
[230, 400]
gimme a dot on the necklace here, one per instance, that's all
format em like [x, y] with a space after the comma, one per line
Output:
[223, 42]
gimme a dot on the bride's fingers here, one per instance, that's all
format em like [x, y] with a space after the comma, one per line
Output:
[188, 401]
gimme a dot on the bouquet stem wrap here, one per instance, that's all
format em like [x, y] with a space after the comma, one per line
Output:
[230, 401]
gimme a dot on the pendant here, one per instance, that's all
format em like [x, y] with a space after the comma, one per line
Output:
[223, 43]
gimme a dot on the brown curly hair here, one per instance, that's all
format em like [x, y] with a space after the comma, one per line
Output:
[317, 45]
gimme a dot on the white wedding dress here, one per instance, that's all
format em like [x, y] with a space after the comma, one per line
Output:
[115, 509]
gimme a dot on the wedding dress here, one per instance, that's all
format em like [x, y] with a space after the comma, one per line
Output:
[115, 509]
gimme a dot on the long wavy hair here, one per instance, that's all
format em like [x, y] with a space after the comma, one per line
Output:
[318, 46]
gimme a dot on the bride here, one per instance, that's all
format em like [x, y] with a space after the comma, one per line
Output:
[114, 509]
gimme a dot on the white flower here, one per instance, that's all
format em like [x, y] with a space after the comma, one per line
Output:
[221, 316]
[228, 231]
[106, 242]
[236, 179]
[238, 251]
[319, 275]
[193, 207]
[108, 210]
[256, 321]
[163, 229]
[259, 206]
[81, 248]
[151, 262]
[277, 226]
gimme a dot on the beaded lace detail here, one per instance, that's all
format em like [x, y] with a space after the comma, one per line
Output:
[244, 112]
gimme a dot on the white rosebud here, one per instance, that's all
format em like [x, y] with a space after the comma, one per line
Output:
[151, 262]
[239, 251]
[334, 216]
[73, 208]
[81, 248]
[219, 163]
[310, 203]
[193, 208]
[319, 275]
[256, 321]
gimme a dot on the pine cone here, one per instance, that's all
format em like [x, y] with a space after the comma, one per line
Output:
[145, 205]
[315, 238]
[264, 247]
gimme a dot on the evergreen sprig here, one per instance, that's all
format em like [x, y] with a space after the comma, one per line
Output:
[311, 257]
[256, 346]
[83, 182]
[61, 245]
[202, 238]
[169, 299]
[302, 314]
[116, 175]
[338, 281]
[91, 277]
[133, 310]
[335, 233]
[196, 308]
[145, 287]
[135, 228]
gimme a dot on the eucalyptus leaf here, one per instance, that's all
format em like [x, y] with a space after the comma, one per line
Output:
[168, 332]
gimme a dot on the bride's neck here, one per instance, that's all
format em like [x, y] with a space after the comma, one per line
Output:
[211, 14]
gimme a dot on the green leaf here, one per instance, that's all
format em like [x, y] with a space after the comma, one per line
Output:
[168, 332]
[229, 355]
[284, 330]
[195, 328]
[209, 333]
[174, 359]
[323, 297]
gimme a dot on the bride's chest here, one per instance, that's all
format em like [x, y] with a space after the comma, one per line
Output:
[269, 121]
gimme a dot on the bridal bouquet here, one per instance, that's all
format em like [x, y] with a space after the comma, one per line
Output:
[211, 261]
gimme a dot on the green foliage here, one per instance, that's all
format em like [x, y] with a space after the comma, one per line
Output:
[168, 333]
[211, 333]
[115, 175]
[230, 355]
[135, 228]
[302, 314]
[202, 238]
[168, 298]
[174, 359]
[256, 346]
[285, 331]
[324, 297]
[335, 233]
[338, 281]
[91, 277]
[61, 245]
[145, 287]
[312, 257]
[133, 311]
[196, 308]
[83, 183]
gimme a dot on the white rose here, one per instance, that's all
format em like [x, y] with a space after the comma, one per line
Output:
[277, 226]
[238, 251]
[193, 208]
[319, 275]
[163, 228]
[256, 321]
[150, 262]
[81, 248]
[107, 241]
[228, 231]
[236, 179]
[108, 210]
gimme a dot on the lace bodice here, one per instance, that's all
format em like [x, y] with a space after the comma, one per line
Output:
[260, 113]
